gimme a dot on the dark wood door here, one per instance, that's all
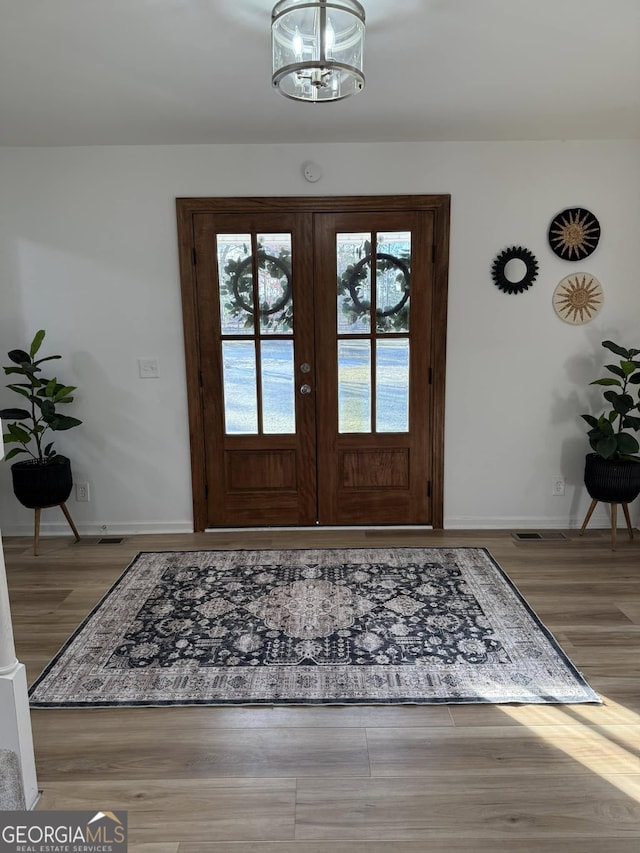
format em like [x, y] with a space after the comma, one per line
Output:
[255, 312]
[314, 337]
[374, 291]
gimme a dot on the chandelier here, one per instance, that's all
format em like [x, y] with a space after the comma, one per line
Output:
[317, 49]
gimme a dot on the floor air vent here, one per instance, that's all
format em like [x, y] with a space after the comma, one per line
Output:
[110, 540]
[538, 536]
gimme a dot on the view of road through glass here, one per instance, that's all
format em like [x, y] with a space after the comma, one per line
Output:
[354, 386]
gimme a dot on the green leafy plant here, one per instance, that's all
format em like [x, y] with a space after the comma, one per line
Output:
[609, 435]
[29, 427]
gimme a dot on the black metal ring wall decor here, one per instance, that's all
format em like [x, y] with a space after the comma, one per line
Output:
[355, 275]
[263, 259]
[574, 234]
[500, 264]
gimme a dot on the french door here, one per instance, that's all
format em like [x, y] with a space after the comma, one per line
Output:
[314, 333]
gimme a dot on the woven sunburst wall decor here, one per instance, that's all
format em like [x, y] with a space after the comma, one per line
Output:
[578, 298]
[574, 234]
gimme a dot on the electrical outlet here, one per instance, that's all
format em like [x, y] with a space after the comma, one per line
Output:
[557, 486]
[82, 492]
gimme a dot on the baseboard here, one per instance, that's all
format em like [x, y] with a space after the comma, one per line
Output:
[115, 529]
[599, 519]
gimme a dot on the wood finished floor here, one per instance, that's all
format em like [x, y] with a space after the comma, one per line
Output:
[460, 779]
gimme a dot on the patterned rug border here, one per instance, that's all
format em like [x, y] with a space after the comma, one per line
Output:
[591, 696]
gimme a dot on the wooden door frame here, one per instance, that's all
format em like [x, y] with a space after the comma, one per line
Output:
[187, 207]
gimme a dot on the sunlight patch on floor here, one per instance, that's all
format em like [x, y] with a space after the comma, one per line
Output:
[589, 744]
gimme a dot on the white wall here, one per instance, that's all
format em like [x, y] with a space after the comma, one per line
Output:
[88, 252]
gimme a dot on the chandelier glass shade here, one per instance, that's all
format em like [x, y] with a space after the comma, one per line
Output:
[318, 48]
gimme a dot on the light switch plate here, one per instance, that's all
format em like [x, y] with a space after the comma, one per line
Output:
[148, 368]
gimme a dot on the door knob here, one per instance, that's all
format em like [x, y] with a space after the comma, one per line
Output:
[305, 368]
[305, 389]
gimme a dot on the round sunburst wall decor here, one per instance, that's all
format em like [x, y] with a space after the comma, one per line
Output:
[574, 234]
[578, 298]
[499, 266]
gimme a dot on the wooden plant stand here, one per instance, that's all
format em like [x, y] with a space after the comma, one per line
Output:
[614, 520]
[36, 534]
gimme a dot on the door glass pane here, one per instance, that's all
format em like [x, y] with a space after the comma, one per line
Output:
[393, 281]
[354, 386]
[235, 276]
[274, 284]
[278, 394]
[240, 396]
[392, 385]
[354, 282]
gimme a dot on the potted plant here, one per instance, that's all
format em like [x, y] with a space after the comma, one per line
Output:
[44, 479]
[612, 471]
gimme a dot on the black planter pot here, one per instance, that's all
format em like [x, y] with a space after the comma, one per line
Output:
[42, 485]
[612, 480]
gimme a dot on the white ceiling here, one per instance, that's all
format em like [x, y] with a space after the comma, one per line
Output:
[105, 72]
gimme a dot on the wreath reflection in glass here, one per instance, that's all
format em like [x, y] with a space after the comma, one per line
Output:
[236, 289]
[498, 270]
[391, 318]
[276, 315]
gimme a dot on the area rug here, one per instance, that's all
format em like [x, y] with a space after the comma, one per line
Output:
[330, 626]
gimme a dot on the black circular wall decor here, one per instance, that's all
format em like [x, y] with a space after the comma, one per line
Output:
[499, 266]
[574, 234]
